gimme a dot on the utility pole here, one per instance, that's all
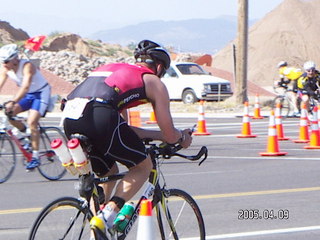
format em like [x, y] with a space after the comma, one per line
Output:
[242, 52]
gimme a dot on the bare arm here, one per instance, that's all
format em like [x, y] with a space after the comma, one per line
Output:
[3, 77]
[144, 133]
[159, 97]
[28, 72]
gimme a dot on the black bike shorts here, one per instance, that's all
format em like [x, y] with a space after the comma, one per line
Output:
[111, 137]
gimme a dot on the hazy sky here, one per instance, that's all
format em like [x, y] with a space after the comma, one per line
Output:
[85, 17]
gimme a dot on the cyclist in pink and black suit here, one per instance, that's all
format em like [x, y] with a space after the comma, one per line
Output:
[108, 91]
[33, 95]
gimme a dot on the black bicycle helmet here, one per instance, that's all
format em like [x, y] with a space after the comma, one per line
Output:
[149, 50]
[282, 64]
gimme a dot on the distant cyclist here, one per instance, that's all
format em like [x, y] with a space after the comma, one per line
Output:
[309, 83]
[33, 95]
[289, 76]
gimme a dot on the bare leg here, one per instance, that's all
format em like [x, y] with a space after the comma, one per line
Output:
[18, 124]
[126, 188]
[108, 187]
[33, 121]
[305, 100]
[133, 181]
[293, 99]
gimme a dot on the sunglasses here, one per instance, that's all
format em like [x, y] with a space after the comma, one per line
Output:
[5, 61]
[310, 70]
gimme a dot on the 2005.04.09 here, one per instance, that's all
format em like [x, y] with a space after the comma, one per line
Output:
[256, 214]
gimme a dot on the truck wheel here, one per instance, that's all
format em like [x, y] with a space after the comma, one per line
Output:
[189, 97]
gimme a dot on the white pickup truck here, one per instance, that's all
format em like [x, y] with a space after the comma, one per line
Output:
[188, 82]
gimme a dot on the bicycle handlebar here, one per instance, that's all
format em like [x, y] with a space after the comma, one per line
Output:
[167, 151]
[2, 107]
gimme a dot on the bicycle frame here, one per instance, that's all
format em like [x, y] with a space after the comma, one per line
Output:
[8, 131]
[25, 152]
[152, 191]
[152, 188]
[286, 95]
[49, 168]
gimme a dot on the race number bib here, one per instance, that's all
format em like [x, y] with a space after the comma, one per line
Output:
[74, 108]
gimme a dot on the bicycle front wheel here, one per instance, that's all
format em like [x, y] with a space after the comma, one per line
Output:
[50, 165]
[285, 106]
[179, 216]
[65, 218]
[8, 157]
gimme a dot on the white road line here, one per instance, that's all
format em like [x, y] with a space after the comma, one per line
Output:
[282, 158]
[201, 173]
[260, 233]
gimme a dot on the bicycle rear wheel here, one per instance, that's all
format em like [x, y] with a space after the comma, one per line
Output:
[180, 216]
[285, 106]
[50, 165]
[8, 157]
[65, 218]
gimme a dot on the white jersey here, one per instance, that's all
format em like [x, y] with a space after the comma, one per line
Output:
[38, 82]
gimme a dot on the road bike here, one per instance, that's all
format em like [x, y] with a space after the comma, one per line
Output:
[50, 165]
[284, 97]
[177, 213]
[286, 100]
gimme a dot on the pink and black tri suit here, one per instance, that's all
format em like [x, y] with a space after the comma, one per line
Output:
[110, 89]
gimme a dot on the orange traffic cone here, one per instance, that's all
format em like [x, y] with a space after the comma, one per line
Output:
[246, 128]
[318, 117]
[279, 126]
[134, 118]
[315, 135]
[201, 126]
[304, 130]
[152, 119]
[273, 146]
[256, 111]
[145, 228]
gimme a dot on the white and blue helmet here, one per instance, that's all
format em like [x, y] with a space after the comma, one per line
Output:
[309, 65]
[8, 52]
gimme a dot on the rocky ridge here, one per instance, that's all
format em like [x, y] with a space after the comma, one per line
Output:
[71, 57]
[74, 67]
[71, 66]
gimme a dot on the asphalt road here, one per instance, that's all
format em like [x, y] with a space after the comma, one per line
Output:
[233, 185]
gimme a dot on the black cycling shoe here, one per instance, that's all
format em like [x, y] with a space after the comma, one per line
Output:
[86, 185]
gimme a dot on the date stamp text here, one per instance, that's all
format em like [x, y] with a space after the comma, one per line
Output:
[266, 214]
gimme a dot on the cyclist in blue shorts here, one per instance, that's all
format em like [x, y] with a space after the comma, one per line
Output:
[33, 94]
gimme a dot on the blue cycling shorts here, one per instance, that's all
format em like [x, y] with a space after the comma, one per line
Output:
[38, 101]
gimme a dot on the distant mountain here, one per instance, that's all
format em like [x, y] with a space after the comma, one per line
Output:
[194, 35]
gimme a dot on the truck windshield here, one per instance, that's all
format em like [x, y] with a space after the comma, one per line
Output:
[191, 69]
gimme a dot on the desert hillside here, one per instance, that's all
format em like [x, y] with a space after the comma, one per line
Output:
[290, 32]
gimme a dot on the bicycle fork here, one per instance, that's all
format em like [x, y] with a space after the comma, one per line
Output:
[147, 194]
[167, 215]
